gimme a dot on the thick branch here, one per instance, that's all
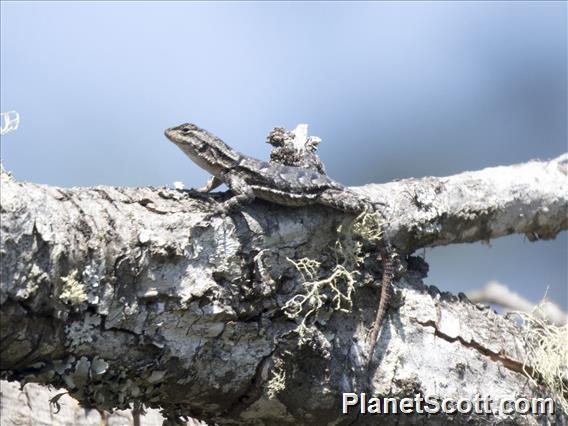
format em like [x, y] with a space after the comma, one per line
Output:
[529, 198]
[122, 294]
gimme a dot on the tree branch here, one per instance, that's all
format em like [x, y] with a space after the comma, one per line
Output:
[496, 293]
[529, 198]
[132, 294]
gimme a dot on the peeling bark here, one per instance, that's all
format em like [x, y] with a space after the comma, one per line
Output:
[132, 294]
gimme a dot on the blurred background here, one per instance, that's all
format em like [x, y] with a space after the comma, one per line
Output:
[394, 90]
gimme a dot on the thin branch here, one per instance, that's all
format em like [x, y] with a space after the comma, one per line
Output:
[499, 294]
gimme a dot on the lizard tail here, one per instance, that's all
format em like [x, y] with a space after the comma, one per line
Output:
[384, 293]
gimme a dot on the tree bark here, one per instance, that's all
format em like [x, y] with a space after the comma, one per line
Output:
[30, 406]
[135, 294]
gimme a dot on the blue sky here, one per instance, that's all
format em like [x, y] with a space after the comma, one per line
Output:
[394, 89]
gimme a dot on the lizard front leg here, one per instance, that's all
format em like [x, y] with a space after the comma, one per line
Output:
[212, 183]
[242, 190]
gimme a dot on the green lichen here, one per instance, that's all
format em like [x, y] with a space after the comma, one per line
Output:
[73, 291]
[546, 362]
[340, 285]
[341, 282]
[277, 382]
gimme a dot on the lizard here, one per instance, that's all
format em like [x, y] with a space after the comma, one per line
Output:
[249, 178]
[284, 184]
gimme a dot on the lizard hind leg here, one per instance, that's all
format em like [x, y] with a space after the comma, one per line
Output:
[343, 199]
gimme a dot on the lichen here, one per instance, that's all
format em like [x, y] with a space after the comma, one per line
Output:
[340, 285]
[277, 382]
[73, 291]
[35, 276]
[547, 359]
[91, 280]
[341, 282]
[99, 366]
[79, 332]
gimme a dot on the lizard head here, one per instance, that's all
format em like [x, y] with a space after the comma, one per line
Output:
[186, 135]
[204, 148]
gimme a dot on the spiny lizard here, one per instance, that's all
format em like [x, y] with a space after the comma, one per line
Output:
[285, 184]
